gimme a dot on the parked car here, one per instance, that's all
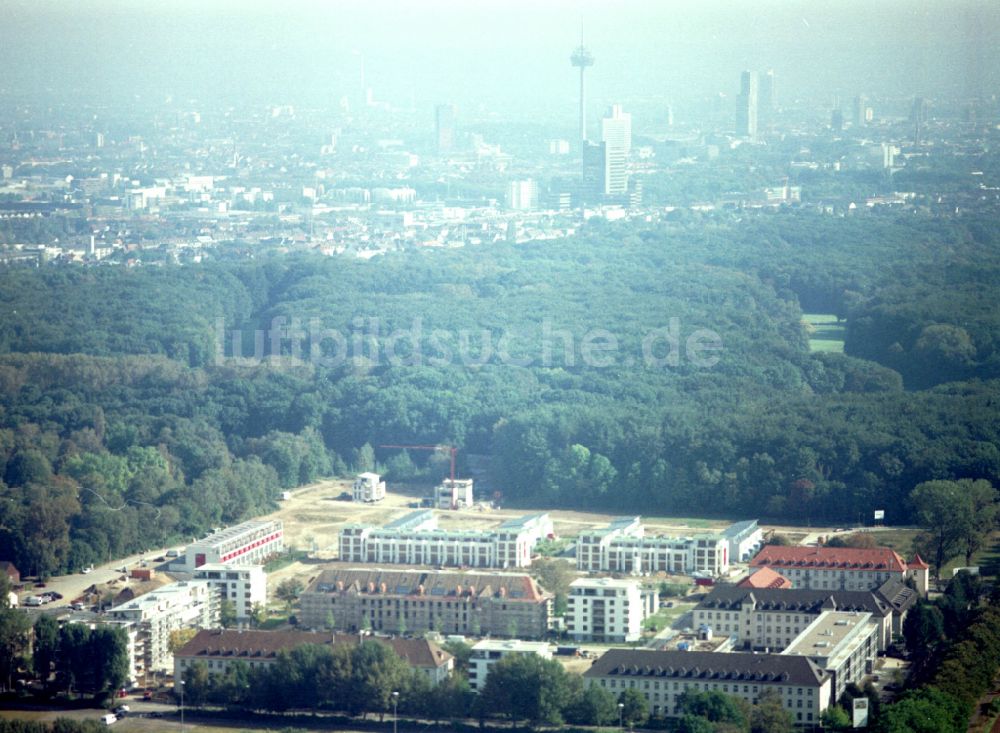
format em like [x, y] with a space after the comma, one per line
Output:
[122, 710]
[109, 718]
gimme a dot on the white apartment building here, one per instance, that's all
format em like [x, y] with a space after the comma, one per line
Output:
[249, 543]
[242, 585]
[745, 539]
[454, 493]
[369, 488]
[843, 643]
[623, 547]
[488, 652]
[192, 604]
[415, 539]
[604, 609]
[661, 677]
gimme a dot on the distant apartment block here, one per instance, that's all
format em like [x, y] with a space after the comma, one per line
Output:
[841, 568]
[396, 601]
[218, 649]
[488, 652]
[249, 543]
[623, 547]
[245, 586]
[369, 488]
[605, 609]
[744, 538]
[454, 493]
[191, 604]
[416, 539]
[661, 677]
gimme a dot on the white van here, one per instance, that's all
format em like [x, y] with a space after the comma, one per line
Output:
[109, 719]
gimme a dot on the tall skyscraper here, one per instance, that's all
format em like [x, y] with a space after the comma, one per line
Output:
[616, 134]
[746, 114]
[860, 118]
[766, 99]
[918, 116]
[444, 127]
[582, 58]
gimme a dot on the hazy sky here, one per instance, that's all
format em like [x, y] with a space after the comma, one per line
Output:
[497, 54]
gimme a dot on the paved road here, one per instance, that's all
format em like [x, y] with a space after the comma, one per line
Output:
[72, 586]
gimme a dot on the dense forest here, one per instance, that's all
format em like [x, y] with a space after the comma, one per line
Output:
[631, 367]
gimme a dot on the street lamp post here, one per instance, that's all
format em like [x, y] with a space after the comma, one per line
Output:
[621, 716]
[182, 705]
[395, 714]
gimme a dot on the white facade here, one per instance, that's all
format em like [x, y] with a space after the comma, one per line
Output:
[522, 195]
[845, 644]
[454, 493]
[245, 586]
[623, 547]
[745, 539]
[489, 651]
[191, 604]
[249, 543]
[770, 620]
[662, 677]
[416, 540]
[369, 488]
[604, 609]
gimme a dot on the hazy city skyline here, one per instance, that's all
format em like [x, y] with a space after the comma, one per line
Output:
[480, 55]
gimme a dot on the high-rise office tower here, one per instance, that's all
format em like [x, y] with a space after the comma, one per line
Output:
[616, 134]
[582, 59]
[766, 100]
[918, 116]
[444, 127]
[746, 114]
[836, 119]
[860, 111]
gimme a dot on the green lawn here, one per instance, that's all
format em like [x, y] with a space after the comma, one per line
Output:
[826, 333]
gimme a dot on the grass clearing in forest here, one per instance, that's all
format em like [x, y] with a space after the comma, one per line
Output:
[826, 333]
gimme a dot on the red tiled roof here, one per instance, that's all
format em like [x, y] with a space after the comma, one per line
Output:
[841, 558]
[765, 578]
[917, 563]
[260, 645]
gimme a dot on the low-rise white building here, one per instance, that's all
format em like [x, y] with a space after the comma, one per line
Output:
[415, 539]
[844, 644]
[604, 609]
[245, 586]
[488, 652]
[249, 543]
[369, 488]
[623, 547]
[192, 604]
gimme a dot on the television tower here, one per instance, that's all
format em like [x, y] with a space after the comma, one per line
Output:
[582, 58]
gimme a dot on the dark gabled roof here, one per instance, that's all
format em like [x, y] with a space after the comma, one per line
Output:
[795, 600]
[897, 594]
[749, 668]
